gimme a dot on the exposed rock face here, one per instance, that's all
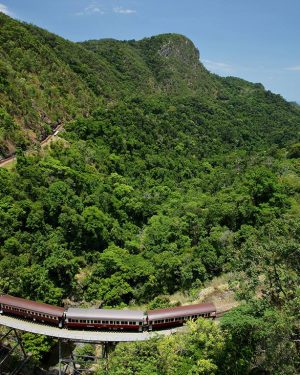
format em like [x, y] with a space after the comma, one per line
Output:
[44, 78]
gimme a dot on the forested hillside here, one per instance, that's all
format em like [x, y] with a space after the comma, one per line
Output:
[46, 79]
[166, 177]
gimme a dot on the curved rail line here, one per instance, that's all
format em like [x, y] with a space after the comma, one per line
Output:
[43, 143]
[91, 336]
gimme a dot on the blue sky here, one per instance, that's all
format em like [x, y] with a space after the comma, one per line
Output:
[257, 40]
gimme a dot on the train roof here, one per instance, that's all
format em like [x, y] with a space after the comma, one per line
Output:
[78, 313]
[26, 304]
[179, 311]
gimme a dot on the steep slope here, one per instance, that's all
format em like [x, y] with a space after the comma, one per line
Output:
[37, 88]
[45, 79]
[167, 63]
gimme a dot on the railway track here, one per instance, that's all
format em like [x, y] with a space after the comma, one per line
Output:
[92, 335]
[43, 143]
[219, 314]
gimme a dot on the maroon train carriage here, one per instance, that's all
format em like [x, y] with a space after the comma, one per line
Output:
[27, 309]
[105, 319]
[177, 316]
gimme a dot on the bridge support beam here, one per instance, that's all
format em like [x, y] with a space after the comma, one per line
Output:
[7, 350]
[69, 362]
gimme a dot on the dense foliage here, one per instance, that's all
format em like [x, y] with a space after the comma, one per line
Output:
[176, 176]
[45, 79]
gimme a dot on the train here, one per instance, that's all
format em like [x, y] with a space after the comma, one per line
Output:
[107, 319]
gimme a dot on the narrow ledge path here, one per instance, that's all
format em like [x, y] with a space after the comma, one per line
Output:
[44, 143]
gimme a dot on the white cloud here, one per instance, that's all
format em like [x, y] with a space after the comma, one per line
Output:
[218, 66]
[121, 10]
[294, 68]
[4, 9]
[91, 9]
